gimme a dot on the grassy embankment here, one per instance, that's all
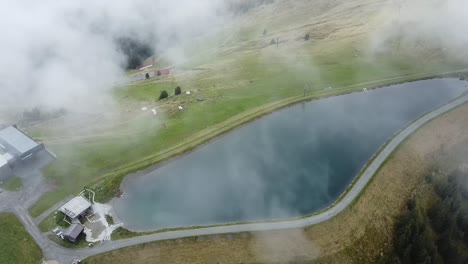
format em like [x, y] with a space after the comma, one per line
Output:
[16, 244]
[52, 221]
[363, 233]
[12, 184]
[242, 81]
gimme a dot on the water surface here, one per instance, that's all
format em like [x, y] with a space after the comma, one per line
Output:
[290, 163]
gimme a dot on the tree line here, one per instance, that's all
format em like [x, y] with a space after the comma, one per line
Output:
[439, 233]
[165, 94]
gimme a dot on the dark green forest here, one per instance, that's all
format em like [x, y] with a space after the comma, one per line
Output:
[435, 231]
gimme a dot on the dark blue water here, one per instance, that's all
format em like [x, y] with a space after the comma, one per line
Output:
[291, 163]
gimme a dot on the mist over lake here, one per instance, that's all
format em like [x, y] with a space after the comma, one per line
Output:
[288, 164]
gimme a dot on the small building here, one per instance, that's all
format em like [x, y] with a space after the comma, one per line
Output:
[73, 232]
[162, 72]
[76, 207]
[141, 68]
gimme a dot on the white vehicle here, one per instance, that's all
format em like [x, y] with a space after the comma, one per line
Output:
[58, 232]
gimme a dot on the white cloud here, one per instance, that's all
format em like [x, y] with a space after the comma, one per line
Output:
[63, 53]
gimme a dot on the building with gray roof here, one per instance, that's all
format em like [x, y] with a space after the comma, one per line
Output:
[73, 232]
[15, 148]
[17, 144]
[76, 207]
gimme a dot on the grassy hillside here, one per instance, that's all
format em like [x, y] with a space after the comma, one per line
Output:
[16, 244]
[234, 77]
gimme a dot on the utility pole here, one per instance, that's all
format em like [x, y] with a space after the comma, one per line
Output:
[399, 4]
[306, 88]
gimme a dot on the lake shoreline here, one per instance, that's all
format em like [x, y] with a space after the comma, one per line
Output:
[346, 189]
[172, 158]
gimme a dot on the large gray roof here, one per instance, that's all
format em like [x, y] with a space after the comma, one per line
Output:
[75, 207]
[16, 141]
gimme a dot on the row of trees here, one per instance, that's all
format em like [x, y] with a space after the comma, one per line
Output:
[147, 75]
[440, 233]
[165, 94]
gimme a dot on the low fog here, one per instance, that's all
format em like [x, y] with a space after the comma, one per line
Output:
[67, 54]
[421, 25]
[288, 164]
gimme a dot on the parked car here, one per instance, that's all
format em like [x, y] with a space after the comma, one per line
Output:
[58, 232]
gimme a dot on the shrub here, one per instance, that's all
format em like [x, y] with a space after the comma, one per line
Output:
[411, 204]
[429, 178]
[412, 243]
[163, 95]
[109, 219]
[422, 249]
[445, 189]
[59, 220]
[448, 249]
[177, 90]
[453, 204]
[439, 216]
[463, 192]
